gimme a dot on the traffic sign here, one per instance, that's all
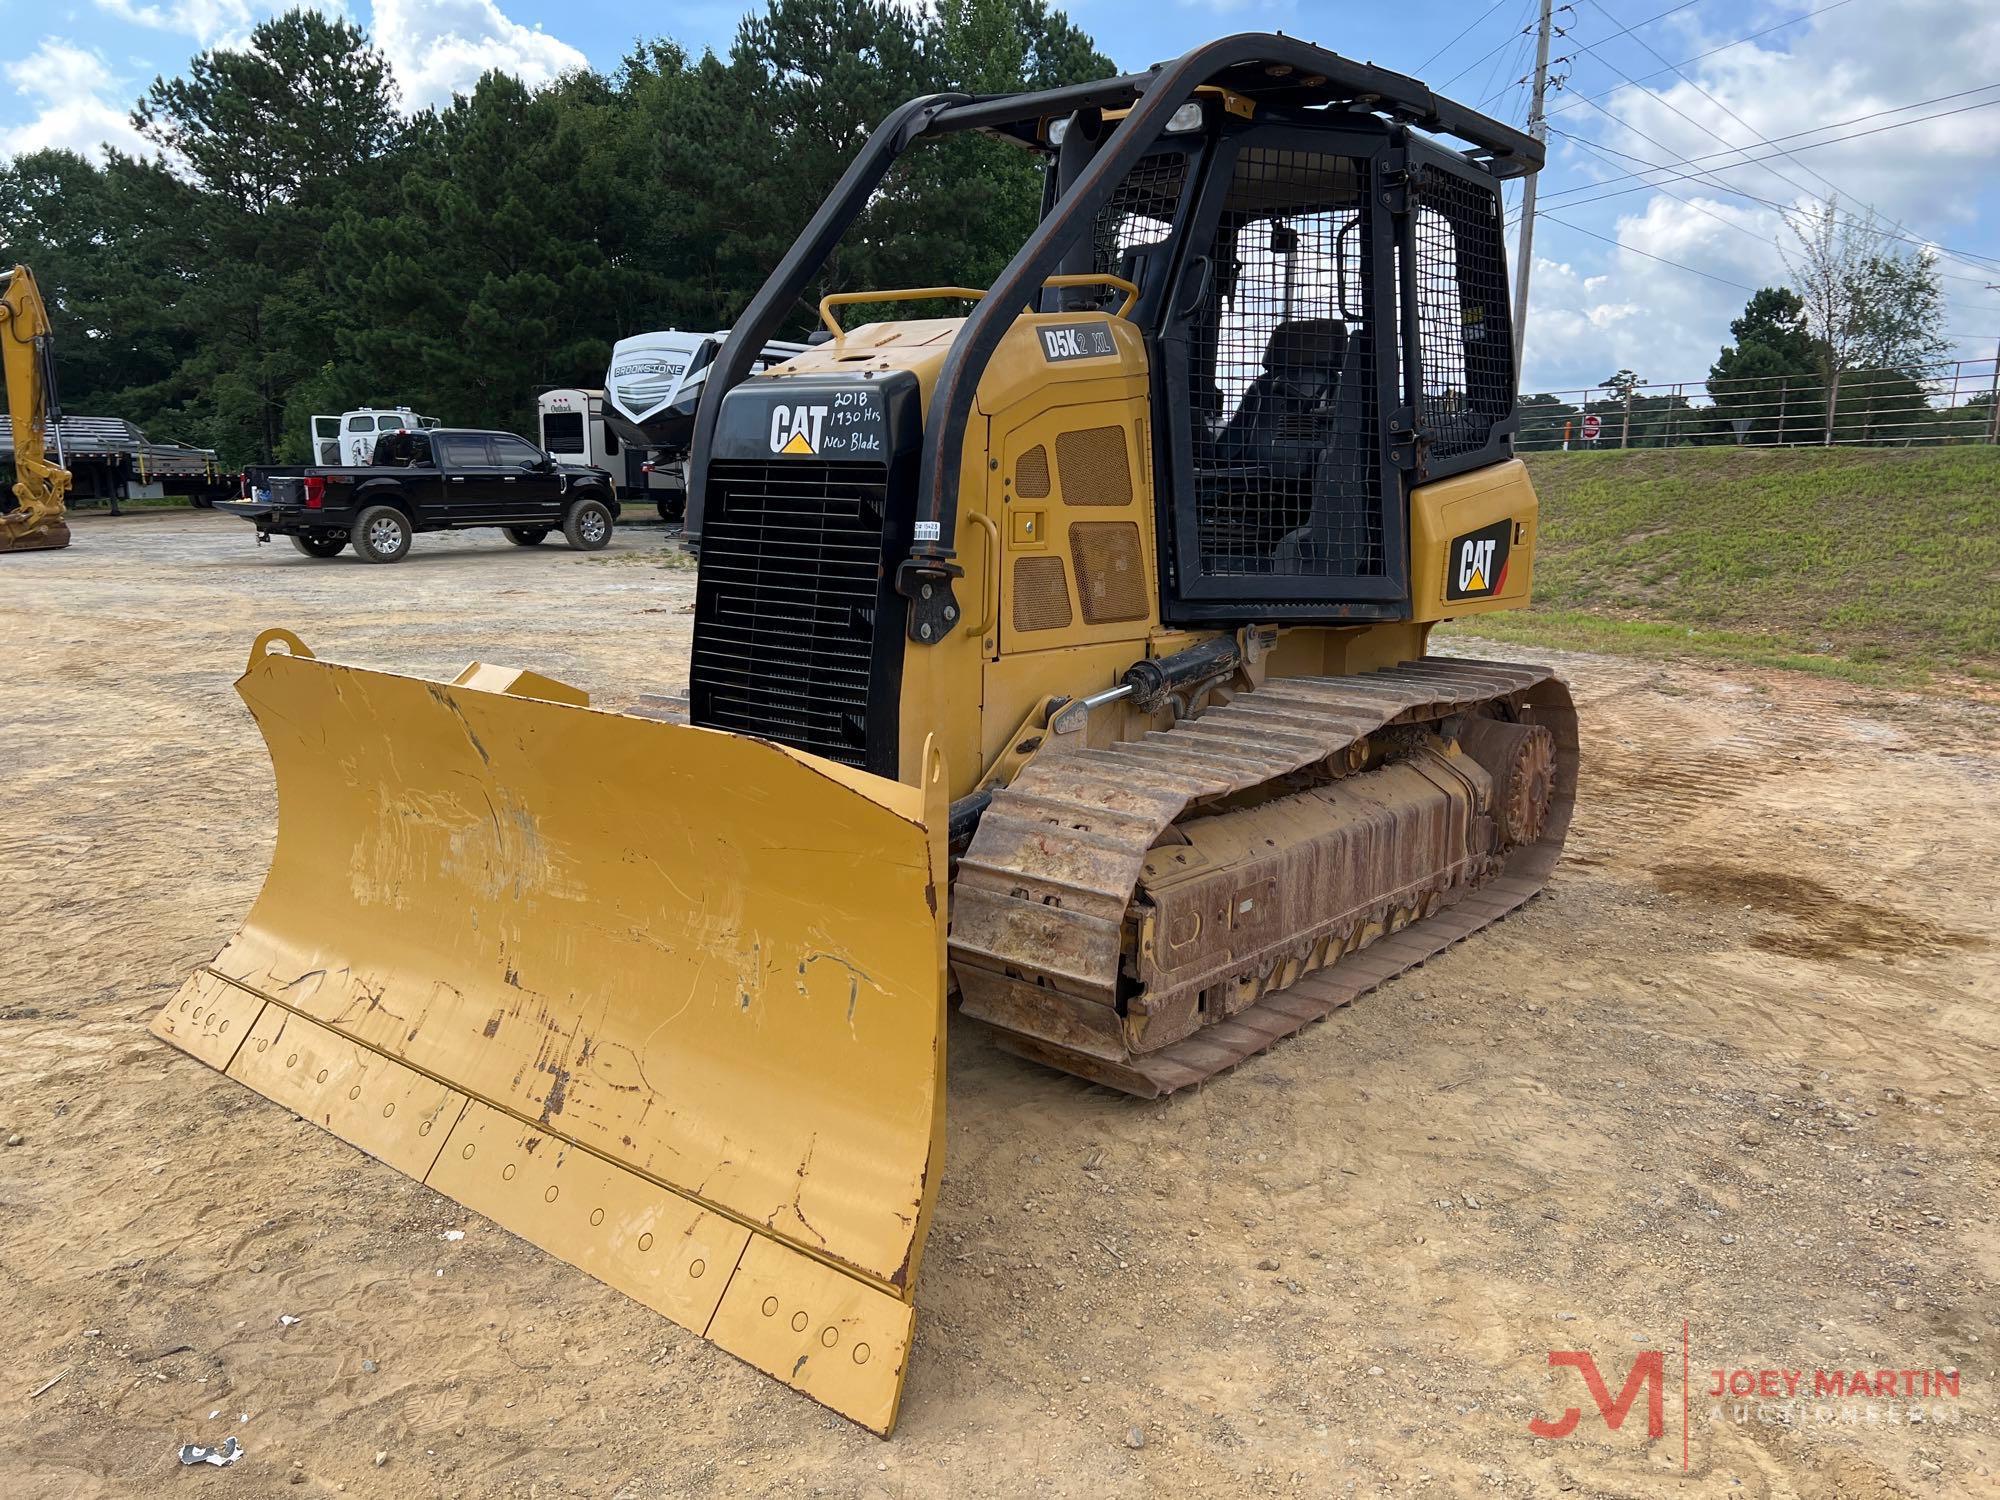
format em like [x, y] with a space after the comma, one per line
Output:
[1592, 425]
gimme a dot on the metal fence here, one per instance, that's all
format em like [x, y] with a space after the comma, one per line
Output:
[1952, 402]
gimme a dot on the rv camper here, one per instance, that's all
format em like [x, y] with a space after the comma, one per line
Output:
[650, 395]
[573, 430]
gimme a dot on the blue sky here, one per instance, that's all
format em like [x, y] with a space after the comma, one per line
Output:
[1604, 295]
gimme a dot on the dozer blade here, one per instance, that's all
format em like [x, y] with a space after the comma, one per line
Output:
[665, 1001]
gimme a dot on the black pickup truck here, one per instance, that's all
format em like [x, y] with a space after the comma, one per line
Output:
[442, 479]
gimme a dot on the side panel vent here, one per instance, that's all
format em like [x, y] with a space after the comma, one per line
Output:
[1031, 474]
[1110, 579]
[1041, 594]
[1092, 465]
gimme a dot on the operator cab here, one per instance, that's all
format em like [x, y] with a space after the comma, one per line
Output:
[1274, 248]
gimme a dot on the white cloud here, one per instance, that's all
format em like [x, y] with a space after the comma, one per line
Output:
[439, 48]
[207, 21]
[1849, 62]
[1638, 314]
[76, 99]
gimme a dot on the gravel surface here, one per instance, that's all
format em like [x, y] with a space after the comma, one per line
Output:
[1731, 1075]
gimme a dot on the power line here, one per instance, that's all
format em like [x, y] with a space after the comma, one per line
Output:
[1418, 70]
[1755, 134]
[1501, 67]
[1729, 223]
[1706, 179]
[1620, 244]
[1518, 63]
[1670, 106]
[1505, 43]
[1712, 51]
[1687, 5]
[1970, 258]
[1812, 146]
[1941, 114]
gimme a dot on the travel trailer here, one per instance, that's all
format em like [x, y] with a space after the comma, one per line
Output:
[650, 395]
[572, 428]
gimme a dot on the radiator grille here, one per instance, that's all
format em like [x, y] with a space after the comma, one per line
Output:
[1031, 474]
[1109, 579]
[1092, 465]
[1041, 594]
[791, 568]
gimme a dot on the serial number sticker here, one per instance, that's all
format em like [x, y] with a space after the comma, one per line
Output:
[929, 531]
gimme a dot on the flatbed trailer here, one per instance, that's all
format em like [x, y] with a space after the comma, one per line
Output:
[111, 461]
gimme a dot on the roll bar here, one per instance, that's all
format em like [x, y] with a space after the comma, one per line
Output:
[1269, 70]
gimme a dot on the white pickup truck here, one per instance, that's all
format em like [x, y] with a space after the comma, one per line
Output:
[349, 438]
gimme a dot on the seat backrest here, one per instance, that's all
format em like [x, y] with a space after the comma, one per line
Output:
[1305, 353]
[1273, 423]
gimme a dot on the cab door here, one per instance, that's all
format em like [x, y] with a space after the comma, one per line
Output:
[357, 441]
[470, 480]
[530, 484]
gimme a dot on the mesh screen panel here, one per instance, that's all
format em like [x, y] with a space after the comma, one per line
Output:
[1465, 327]
[1031, 474]
[1141, 211]
[1109, 579]
[1041, 594]
[1091, 463]
[1282, 376]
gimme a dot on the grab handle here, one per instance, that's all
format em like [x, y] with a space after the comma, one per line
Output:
[991, 599]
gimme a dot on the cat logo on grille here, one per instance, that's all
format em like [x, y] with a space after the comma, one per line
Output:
[795, 430]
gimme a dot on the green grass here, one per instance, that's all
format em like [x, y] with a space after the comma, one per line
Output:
[1876, 565]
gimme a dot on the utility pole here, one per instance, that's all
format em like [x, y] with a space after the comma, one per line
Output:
[1538, 127]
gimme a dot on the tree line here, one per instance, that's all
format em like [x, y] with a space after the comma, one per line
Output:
[1842, 353]
[293, 243]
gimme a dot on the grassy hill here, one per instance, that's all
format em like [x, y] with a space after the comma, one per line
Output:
[1869, 563]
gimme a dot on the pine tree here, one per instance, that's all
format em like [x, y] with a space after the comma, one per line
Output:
[272, 139]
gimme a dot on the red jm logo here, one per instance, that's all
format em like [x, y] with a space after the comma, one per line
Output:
[1648, 1374]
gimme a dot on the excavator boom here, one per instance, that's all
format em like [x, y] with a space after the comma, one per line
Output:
[34, 522]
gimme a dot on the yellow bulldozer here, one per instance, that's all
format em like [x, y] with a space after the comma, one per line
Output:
[1065, 659]
[33, 522]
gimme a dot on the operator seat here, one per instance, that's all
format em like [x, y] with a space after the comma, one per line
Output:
[1278, 426]
[1341, 534]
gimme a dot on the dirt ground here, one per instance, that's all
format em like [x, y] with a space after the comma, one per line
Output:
[1732, 1074]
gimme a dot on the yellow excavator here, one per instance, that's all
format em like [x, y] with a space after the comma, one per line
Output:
[34, 522]
[1066, 659]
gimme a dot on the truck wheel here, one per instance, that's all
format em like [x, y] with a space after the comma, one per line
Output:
[382, 535]
[320, 545]
[526, 536]
[588, 525]
[672, 506]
